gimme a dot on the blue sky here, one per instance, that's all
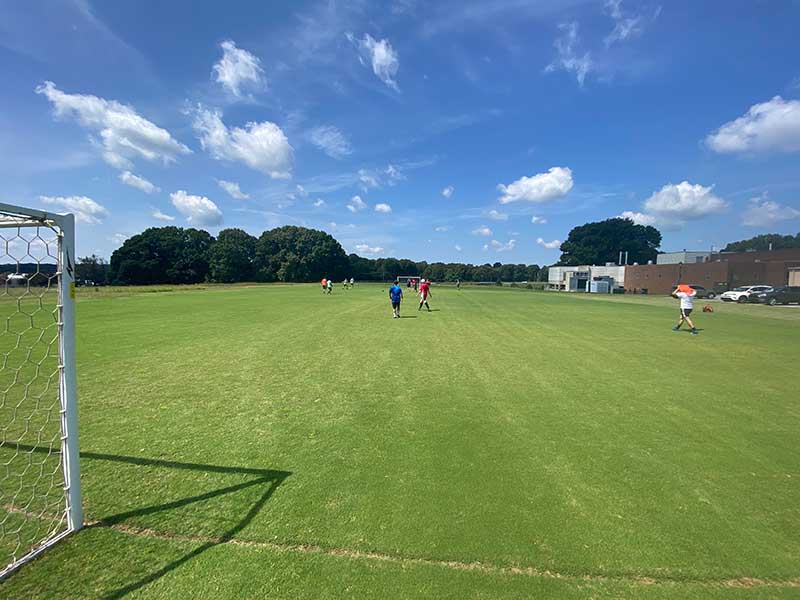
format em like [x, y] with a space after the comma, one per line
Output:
[474, 132]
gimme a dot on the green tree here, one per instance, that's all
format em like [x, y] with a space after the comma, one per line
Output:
[162, 255]
[299, 254]
[91, 268]
[762, 242]
[601, 242]
[232, 256]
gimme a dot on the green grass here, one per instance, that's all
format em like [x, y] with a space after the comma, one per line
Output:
[267, 441]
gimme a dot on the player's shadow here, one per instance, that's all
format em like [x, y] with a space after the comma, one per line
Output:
[268, 478]
[408, 316]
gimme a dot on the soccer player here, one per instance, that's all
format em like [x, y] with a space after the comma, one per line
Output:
[324, 283]
[424, 294]
[396, 296]
[352, 282]
[686, 296]
[458, 284]
[330, 285]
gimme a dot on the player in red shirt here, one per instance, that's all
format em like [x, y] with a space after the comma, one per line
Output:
[424, 294]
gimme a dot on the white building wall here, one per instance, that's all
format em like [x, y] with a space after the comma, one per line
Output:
[674, 258]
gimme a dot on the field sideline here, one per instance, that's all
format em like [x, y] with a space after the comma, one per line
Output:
[269, 441]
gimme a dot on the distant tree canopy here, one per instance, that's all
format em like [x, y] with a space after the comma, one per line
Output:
[290, 254]
[601, 242]
[162, 255]
[91, 268]
[762, 242]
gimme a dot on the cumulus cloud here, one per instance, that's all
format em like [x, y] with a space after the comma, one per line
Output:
[232, 189]
[331, 141]
[356, 204]
[549, 245]
[568, 59]
[261, 146]
[380, 55]
[483, 230]
[383, 208]
[682, 202]
[638, 218]
[497, 215]
[85, 209]
[124, 135]
[764, 212]
[140, 183]
[458, 248]
[394, 174]
[319, 203]
[367, 179]
[366, 249]
[543, 187]
[500, 247]
[198, 210]
[772, 126]
[157, 214]
[238, 68]
[538, 220]
[448, 191]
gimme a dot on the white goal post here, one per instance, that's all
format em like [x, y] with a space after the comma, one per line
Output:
[40, 492]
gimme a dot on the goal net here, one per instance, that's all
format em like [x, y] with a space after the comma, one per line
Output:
[39, 482]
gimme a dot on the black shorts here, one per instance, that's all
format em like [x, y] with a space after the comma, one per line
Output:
[395, 305]
[685, 312]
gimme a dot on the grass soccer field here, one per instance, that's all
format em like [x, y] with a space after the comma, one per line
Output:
[269, 441]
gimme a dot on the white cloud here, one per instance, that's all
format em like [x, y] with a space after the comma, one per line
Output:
[157, 214]
[394, 174]
[198, 210]
[232, 189]
[301, 191]
[549, 245]
[568, 59]
[331, 141]
[261, 146]
[356, 204]
[367, 179]
[441, 228]
[448, 191]
[682, 202]
[543, 187]
[123, 133]
[483, 230]
[85, 209]
[764, 212]
[380, 55]
[139, 183]
[500, 247]
[625, 26]
[638, 218]
[366, 249]
[538, 220]
[458, 248]
[383, 208]
[238, 68]
[497, 215]
[772, 126]
[319, 203]
[119, 238]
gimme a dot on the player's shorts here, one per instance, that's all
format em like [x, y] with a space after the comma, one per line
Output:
[685, 312]
[423, 298]
[395, 305]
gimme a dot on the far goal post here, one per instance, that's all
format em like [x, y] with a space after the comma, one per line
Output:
[40, 493]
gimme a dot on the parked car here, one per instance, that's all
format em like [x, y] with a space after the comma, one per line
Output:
[701, 292]
[782, 295]
[743, 293]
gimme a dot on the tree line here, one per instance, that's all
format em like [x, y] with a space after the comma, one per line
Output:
[763, 242]
[177, 255]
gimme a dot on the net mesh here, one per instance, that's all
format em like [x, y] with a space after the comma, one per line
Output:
[33, 494]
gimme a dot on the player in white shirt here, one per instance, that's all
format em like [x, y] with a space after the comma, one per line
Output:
[686, 295]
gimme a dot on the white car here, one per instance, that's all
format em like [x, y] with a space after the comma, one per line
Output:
[742, 293]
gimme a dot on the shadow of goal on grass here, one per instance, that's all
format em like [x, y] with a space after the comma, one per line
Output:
[268, 478]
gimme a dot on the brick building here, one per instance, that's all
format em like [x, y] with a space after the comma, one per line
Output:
[720, 272]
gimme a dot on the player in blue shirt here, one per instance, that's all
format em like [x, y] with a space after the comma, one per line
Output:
[396, 296]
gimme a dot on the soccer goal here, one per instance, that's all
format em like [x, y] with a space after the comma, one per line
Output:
[404, 279]
[40, 494]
